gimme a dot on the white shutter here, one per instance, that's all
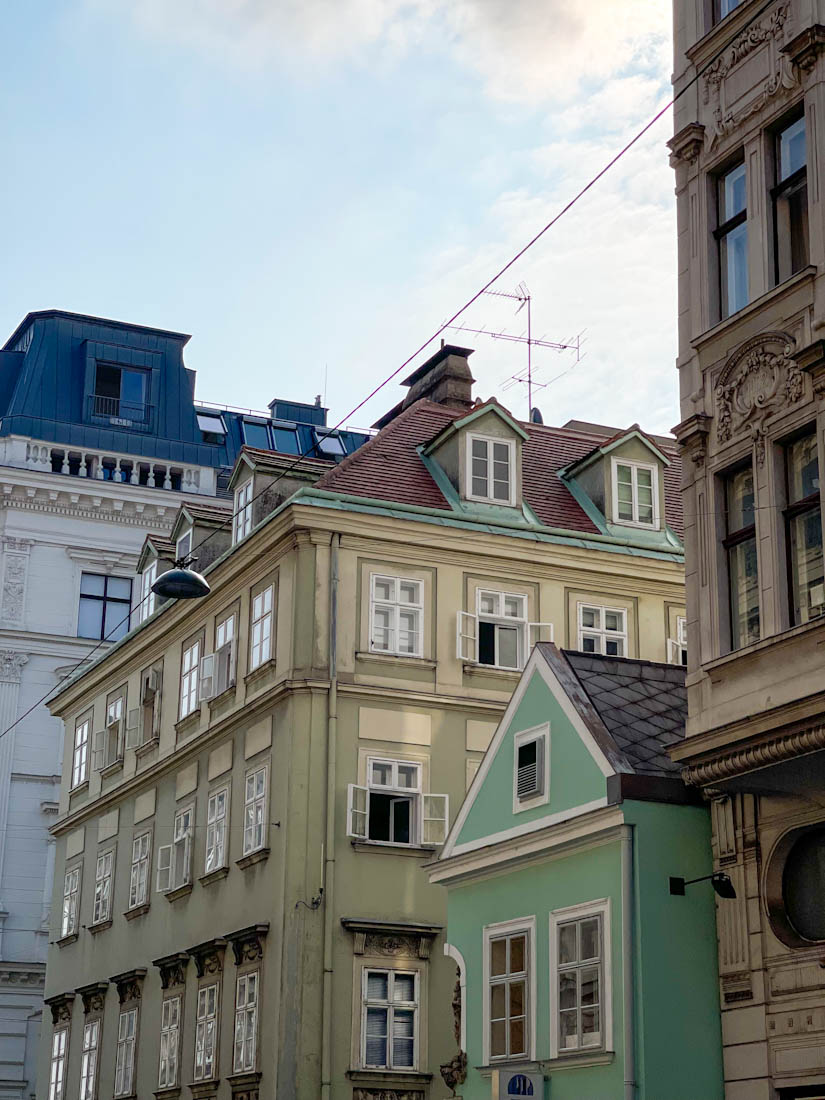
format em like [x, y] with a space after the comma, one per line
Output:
[133, 728]
[358, 801]
[114, 741]
[534, 633]
[206, 688]
[164, 879]
[435, 818]
[156, 677]
[99, 750]
[232, 659]
[466, 636]
[224, 667]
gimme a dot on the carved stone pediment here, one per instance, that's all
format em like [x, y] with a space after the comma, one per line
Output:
[130, 984]
[248, 943]
[759, 380]
[94, 997]
[208, 956]
[61, 1007]
[172, 969]
[373, 937]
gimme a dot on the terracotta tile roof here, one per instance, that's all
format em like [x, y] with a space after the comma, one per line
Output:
[276, 459]
[388, 467]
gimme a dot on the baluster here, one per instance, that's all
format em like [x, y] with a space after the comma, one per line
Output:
[64, 469]
[151, 481]
[118, 474]
[167, 481]
[83, 471]
[134, 479]
[100, 472]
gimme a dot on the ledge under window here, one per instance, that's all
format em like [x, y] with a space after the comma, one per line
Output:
[578, 1059]
[111, 769]
[399, 660]
[259, 672]
[473, 669]
[64, 941]
[81, 788]
[388, 1078]
[137, 911]
[189, 724]
[807, 274]
[179, 892]
[172, 1093]
[101, 926]
[146, 747]
[393, 849]
[244, 1085]
[254, 857]
[204, 1090]
[213, 876]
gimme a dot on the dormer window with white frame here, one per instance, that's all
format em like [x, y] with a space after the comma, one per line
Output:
[396, 613]
[498, 634]
[242, 520]
[392, 808]
[677, 647]
[531, 768]
[491, 469]
[147, 596]
[635, 494]
[183, 547]
[602, 630]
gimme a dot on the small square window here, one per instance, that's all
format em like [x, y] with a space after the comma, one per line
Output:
[531, 768]
[491, 470]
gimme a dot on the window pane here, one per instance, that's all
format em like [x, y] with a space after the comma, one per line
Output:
[567, 944]
[803, 469]
[479, 449]
[381, 774]
[91, 584]
[591, 644]
[508, 647]
[590, 985]
[517, 999]
[376, 1042]
[517, 1042]
[116, 624]
[256, 435]
[518, 947]
[408, 776]
[744, 593]
[498, 1039]
[486, 643]
[614, 647]
[383, 588]
[377, 986]
[498, 1000]
[567, 989]
[591, 1034]
[792, 155]
[90, 619]
[498, 957]
[568, 1030]
[514, 607]
[488, 603]
[613, 620]
[408, 592]
[807, 581]
[734, 265]
[591, 617]
[119, 588]
[740, 501]
[404, 987]
[732, 193]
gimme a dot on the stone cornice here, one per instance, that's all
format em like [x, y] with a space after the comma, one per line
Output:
[248, 943]
[93, 996]
[172, 969]
[748, 758]
[129, 984]
[208, 956]
[687, 144]
[61, 1005]
[692, 436]
[805, 47]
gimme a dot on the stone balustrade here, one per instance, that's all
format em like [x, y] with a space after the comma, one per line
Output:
[128, 469]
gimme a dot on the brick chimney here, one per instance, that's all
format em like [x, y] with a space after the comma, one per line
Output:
[445, 378]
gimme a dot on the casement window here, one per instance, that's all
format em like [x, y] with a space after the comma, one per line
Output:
[139, 871]
[189, 676]
[498, 633]
[602, 630]
[206, 1033]
[260, 649]
[246, 1022]
[732, 239]
[122, 728]
[89, 1060]
[531, 768]
[170, 1013]
[580, 978]
[392, 809]
[389, 1020]
[151, 691]
[721, 8]
[790, 201]
[217, 812]
[508, 977]
[183, 547]
[743, 568]
[71, 902]
[635, 494]
[491, 470]
[125, 1052]
[224, 654]
[396, 613]
[677, 647]
[104, 881]
[254, 810]
[105, 603]
[80, 752]
[147, 596]
[803, 520]
[242, 523]
[175, 859]
[57, 1064]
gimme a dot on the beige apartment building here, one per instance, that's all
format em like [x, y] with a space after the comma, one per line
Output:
[254, 780]
[748, 153]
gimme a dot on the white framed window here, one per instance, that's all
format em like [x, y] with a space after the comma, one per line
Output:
[498, 633]
[169, 1042]
[147, 596]
[242, 523]
[151, 697]
[71, 901]
[104, 878]
[491, 469]
[677, 647]
[389, 1020]
[189, 674]
[392, 808]
[89, 1059]
[396, 615]
[260, 649]
[602, 630]
[246, 1022]
[635, 494]
[254, 810]
[509, 978]
[175, 859]
[109, 742]
[225, 654]
[531, 768]
[580, 978]
[217, 815]
[206, 1033]
[125, 1052]
[183, 547]
[139, 870]
[57, 1064]
[80, 752]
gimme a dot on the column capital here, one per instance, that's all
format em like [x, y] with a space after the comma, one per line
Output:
[11, 666]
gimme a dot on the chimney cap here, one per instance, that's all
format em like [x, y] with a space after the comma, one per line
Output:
[443, 353]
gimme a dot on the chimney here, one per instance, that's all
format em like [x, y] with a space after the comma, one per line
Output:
[445, 379]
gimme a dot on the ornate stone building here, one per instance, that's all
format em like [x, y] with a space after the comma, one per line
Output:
[748, 151]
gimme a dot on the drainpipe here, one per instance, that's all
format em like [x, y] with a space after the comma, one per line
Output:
[628, 992]
[329, 845]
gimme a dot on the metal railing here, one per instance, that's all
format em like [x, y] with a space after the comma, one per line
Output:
[119, 413]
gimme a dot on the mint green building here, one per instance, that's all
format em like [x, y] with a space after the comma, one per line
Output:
[582, 977]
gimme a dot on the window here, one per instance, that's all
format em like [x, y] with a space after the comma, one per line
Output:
[246, 1023]
[71, 900]
[396, 612]
[531, 771]
[151, 684]
[635, 494]
[225, 654]
[242, 524]
[80, 754]
[169, 1042]
[491, 470]
[602, 630]
[104, 873]
[125, 1053]
[580, 967]
[88, 1060]
[206, 1032]
[254, 815]
[189, 672]
[211, 425]
[389, 1025]
[743, 571]
[507, 965]
[105, 603]
[732, 238]
[498, 633]
[285, 440]
[175, 859]
[261, 634]
[330, 445]
[183, 547]
[256, 434]
[721, 8]
[392, 809]
[57, 1066]
[108, 743]
[139, 872]
[120, 394]
[803, 518]
[216, 815]
[790, 201]
[147, 596]
[677, 647]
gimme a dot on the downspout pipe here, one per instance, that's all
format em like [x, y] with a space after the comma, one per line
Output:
[329, 840]
[628, 966]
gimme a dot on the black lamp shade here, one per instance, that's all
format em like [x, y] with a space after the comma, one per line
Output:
[181, 584]
[722, 884]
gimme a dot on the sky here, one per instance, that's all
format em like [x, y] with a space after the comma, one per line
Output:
[310, 188]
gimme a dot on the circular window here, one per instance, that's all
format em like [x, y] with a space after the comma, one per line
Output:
[803, 885]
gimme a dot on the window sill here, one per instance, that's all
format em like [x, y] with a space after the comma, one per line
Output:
[146, 747]
[387, 1078]
[472, 669]
[81, 788]
[213, 876]
[577, 1059]
[252, 858]
[259, 673]
[171, 1093]
[393, 849]
[179, 892]
[111, 769]
[244, 1084]
[64, 941]
[781, 638]
[505, 1063]
[203, 1090]
[137, 911]
[227, 693]
[188, 724]
[101, 926]
[807, 274]
[400, 660]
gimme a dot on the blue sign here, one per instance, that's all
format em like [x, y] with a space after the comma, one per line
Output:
[519, 1085]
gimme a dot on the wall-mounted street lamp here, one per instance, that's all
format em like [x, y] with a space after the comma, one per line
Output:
[720, 882]
[181, 583]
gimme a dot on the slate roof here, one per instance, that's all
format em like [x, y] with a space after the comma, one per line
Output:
[209, 513]
[643, 705]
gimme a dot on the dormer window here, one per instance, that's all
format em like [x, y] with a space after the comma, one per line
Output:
[243, 511]
[120, 394]
[635, 494]
[491, 469]
[184, 545]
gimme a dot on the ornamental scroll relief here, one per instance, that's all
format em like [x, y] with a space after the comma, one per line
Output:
[759, 380]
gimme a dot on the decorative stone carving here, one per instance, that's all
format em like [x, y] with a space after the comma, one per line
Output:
[743, 760]
[692, 436]
[245, 1086]
[401, 940]
[248, 943]
[687, 144]
[30, 978]
[208, 956]
[61, 1007]
[759, 380]
[94, 997]
[390, 945]
[387, 1094]
[172, 969]
[15, 572]
[454, 1072]
[130, 984]
[457, 1008]
[11, 666]
[805, 48]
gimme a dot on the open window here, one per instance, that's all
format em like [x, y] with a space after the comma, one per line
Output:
[531, 768]
[175, 860]
[498, 633]
[121, 729]
[677, 647]
[392, 808]
[151, 688]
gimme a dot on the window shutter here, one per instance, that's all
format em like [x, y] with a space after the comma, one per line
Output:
[530, 777]
[156, 706]
[164, 878]
[358, 800]
[534, 633]
[435, 818]
[99, 750]
[114, 741]
[133, 728]
[466, 636]
[206, 688]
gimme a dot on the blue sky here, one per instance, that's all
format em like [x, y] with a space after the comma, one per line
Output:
[313, 187]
